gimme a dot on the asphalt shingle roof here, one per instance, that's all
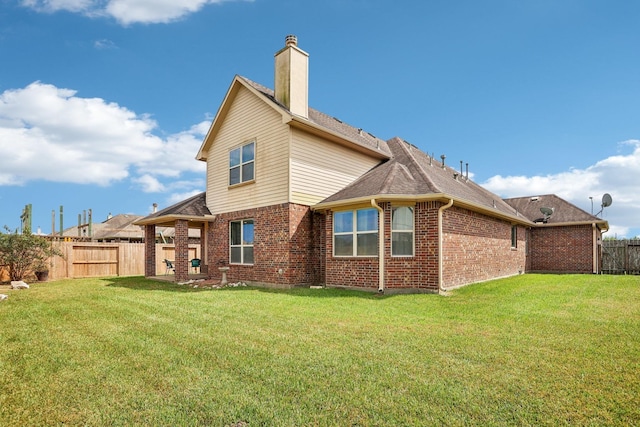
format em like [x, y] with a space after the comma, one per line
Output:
[563, 211]
[333, 124]
[412, 172]
[193, 206]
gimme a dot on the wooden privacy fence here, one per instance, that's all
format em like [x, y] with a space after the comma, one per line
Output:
[107, 259]
[621, 256]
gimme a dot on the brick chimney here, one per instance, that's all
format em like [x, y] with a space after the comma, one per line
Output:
[292, 77]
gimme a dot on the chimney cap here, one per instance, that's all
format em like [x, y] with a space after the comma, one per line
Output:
[291, 40]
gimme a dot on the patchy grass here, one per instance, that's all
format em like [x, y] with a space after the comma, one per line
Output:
[529, 350]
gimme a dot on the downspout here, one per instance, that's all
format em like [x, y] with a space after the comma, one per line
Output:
[440, 243]
[380, 246]
[594, 255]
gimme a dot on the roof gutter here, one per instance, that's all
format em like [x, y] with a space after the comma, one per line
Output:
[442, 208]
[380, 246]
[515, 218]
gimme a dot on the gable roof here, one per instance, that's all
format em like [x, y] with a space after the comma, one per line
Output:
[564, 213]
[193, 209]
[317, 123]
[413, 175]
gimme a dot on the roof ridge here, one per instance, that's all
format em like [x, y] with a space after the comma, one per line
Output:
[423, 173]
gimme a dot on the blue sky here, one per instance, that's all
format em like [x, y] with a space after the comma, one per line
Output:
[104, 103]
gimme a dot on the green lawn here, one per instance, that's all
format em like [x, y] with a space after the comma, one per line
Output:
[529, 350]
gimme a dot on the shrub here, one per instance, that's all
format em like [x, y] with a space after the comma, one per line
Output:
[23, 253]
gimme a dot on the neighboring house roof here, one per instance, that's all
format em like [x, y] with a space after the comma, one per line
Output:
[193, 209]
[117, 227]
[412, 174]
[317, 122]
[120, 227]
[563, 212]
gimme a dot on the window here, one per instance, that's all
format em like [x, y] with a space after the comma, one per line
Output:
[241, 242]
[402, 231]
[514, 236]
[241, 164]
[355, 233]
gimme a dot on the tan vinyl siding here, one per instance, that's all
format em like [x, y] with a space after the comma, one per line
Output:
[320, 168]
[249, 119]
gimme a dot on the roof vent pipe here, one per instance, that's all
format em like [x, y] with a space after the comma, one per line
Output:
[443, 157]
[467, 175]
[461, 169]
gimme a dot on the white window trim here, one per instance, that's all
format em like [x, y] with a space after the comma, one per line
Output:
[242, 246]
[354, 232]
[412, 231]
[229, 167]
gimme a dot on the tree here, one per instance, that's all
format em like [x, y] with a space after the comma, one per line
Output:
[23, 253]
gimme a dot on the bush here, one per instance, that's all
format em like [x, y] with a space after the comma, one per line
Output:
[24, 253]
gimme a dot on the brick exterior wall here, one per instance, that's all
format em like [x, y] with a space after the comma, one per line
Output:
[150, 250]
[478, 247]
[182, 263]
[419, 273]
[566, 249]
[283, 248]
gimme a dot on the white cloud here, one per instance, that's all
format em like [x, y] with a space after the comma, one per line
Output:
[617, 175]
[104, 44]
[126, 12]
[48, 133]
[149, 184]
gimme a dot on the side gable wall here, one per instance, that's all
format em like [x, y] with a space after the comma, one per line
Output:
[320, 168]
[249, 118]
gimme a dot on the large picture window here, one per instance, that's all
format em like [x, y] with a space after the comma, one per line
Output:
[355, 233]
[241, 242]
[242, 164]
[402, 231]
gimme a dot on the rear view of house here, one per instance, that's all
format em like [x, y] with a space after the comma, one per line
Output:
[295, 196]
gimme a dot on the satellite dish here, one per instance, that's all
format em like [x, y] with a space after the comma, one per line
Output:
[546, 211]
[606, 200]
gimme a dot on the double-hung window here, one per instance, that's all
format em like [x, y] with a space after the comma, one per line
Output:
[355, 233]
[241, 242]
[242, 164]
[402, 231]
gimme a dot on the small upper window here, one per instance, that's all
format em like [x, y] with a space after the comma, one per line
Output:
[242, 164]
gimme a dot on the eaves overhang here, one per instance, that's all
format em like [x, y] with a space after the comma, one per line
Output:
[603, 225]
[415, 198]
[169, 220]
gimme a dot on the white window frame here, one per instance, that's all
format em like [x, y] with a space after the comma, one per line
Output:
[404, 231]
[354, 233]
[240, 166]
[242, 245]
